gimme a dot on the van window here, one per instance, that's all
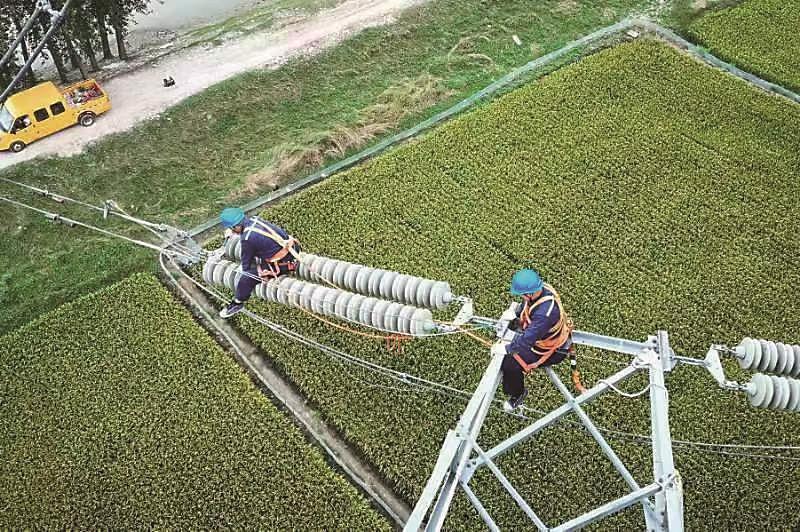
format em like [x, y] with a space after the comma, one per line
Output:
[21, 123]
[57, 108]
[41, 115]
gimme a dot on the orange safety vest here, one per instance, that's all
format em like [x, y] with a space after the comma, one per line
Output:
[556, 336]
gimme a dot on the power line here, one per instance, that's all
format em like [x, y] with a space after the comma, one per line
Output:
[425, 384]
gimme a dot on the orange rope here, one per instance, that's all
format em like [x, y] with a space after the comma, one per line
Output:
[345, 328]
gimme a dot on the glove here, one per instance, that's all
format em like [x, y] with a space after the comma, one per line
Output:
[499, 348]
[227, 234]
[514, 324]
[510, 313]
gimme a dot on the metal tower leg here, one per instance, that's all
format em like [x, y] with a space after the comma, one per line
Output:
[669, 501]
[455, 453]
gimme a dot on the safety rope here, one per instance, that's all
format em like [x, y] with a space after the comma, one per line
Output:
[420, 383]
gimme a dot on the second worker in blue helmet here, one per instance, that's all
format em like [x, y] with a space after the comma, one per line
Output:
[543, 335]
[268, 252]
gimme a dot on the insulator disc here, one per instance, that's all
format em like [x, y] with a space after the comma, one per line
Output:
[208, 271]
[761, 392]
[338, 273]
[780, 365]
[423, 295]
[341, 303]
[354, 308]
[326, 273]
[796, 367]
[282, 291]
[350, 276]
[365, 312]
[379, 313]
[399, 287]
[404, 319]
[374, 284]
[230, 273]
[392, 316]
[745, 352]
[387, 282]
[219, 271]
[421, 321]
[329, 303]
[781, 396]
[318, 299]
[362, 280]
[271, 290]
[794, 396]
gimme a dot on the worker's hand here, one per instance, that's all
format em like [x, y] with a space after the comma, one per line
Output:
[510, 313]
[499, 348]
[228, 232]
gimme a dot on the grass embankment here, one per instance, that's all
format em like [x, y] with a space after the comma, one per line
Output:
[269, 17]
[760, 36]
[201, 154]
[653, 192]
[120, 412]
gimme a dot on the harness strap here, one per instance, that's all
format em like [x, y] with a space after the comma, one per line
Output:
[287, 245]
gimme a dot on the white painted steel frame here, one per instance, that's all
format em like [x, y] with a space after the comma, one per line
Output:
[454, 467]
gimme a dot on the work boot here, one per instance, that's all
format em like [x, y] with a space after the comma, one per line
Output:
[234, 307]
[515, 402]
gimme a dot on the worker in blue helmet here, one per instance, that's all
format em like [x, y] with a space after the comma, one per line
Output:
[268, 252]
[542, 334]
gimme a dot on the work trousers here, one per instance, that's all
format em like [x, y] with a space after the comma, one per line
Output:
[514, 377]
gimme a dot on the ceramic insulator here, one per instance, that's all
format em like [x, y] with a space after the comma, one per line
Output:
[364, 280]
[776, 393]
[329, 301]
[771, 357]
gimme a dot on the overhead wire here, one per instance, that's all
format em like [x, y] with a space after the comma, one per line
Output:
[434, 386]
[403, 377]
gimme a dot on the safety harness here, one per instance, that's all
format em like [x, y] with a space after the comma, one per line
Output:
[276, 262]
[556, 336]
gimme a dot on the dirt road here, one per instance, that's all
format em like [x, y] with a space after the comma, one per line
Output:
[139, 95]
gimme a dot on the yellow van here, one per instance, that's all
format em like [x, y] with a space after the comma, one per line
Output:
[42, 110]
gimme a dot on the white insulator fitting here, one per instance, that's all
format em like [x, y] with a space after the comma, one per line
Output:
[776, 393]
[377, 313]
[375, 282]
[771, 357]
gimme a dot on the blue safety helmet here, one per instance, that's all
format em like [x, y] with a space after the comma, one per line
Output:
[231, 217]
[526, 282]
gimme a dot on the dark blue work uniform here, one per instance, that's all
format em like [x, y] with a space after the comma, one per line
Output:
[543, 318]
[257, 249]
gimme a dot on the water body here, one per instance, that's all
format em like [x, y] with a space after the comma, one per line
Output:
[166, 15]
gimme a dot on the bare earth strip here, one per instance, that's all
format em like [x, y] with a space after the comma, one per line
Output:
[139, 95]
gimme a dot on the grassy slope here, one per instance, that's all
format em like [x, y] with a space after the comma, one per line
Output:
[182, 166]
[107, 425]
[653, 192]
[760, 36]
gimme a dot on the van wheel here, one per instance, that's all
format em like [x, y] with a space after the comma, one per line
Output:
[17, 146]
[86, 119]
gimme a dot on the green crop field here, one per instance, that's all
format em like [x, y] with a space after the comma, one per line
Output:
[653, 192]
[120, 412]
[281, 125]
[760, 36]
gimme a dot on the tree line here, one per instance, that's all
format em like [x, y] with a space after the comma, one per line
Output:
[93, 30]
